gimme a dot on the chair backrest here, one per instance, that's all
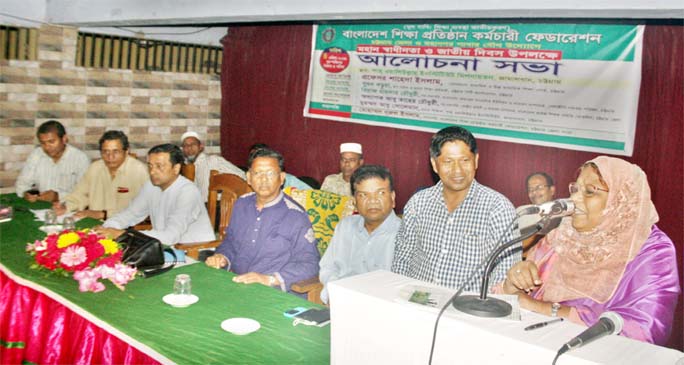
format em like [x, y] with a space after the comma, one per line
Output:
[325, 210]
[188, 170]
[231, 188]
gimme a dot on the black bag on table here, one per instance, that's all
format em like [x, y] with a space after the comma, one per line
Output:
[145, 253]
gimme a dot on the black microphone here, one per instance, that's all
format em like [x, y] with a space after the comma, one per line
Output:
[609, 323]
[482, 306]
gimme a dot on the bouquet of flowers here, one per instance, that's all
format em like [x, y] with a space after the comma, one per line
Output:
[86, 254]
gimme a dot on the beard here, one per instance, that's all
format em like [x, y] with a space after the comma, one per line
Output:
[191, 159]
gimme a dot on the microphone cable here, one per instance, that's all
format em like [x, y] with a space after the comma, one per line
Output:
[462, 287]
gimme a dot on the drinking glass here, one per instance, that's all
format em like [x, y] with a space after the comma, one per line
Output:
[182, 285]
[50, 217]
[69, 223]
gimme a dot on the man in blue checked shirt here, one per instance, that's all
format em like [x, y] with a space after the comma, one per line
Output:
[451, 227]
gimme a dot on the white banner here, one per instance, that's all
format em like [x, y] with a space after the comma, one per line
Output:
[561, 85]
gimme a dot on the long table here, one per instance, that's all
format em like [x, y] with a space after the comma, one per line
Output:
[138, 318]
[371, 324]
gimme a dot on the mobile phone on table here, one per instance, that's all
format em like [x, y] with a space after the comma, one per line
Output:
[294, 311]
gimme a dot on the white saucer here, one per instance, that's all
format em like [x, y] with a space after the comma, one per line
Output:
[240, 326]
[52, 228]
[180, 301]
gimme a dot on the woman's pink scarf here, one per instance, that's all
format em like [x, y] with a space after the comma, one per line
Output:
[591, 264]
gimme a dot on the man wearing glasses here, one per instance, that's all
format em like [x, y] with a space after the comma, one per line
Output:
[540, 189]
[351, 157]
[109, 184]
[269, 239]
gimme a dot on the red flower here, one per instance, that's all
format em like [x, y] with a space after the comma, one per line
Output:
[110, 260]
[94, 250]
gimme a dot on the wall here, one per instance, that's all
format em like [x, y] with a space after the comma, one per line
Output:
[150, 107]
[264, 79]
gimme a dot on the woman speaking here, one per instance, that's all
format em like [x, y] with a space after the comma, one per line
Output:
[609, 256]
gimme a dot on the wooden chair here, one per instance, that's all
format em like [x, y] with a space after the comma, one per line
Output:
[312, 287]
[188, 170]
[231, 187]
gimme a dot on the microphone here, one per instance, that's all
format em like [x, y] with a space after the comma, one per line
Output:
[609, 323]
[482, 306]
[551, 214]
[556, 208]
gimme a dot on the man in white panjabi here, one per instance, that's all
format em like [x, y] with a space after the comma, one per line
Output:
[193, 152]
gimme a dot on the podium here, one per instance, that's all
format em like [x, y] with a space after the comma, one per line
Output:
[371, 324]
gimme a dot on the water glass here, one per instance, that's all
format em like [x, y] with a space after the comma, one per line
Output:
[50, 217]
[69, 223]
[182, 285]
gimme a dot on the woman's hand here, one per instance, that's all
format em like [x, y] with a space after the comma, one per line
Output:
[523, 276]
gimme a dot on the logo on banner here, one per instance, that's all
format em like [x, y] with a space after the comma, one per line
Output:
[334, 59]
[328, 35]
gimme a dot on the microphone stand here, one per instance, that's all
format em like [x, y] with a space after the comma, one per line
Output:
[482, 306]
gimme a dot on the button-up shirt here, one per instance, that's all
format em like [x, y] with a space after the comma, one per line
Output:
[276, 240]
[354, 251]
[98, 190]
[178, 214]
[203, 166]
[46, 174]
[436, 246]
[335, 184]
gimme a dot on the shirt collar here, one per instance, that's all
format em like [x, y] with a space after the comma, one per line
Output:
[438, 192]
[361, 227]
[274, 201]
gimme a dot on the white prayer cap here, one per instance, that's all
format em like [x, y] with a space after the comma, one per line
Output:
[189, 134]
[351, 147]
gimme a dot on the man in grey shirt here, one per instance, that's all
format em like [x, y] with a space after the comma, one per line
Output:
[364, 242]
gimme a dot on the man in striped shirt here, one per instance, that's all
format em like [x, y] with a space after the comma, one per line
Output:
[53, 169]
[450, 228]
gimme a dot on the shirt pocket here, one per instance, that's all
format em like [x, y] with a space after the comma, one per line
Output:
[66, 181]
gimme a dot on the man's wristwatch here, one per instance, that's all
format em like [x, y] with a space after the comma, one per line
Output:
[554, 309]
[271, 280]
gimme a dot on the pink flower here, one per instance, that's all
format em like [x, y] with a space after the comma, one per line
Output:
[88, 280]
[39, 246]
[120, 274]
[74, 255]
[31, 247]
[83, 253]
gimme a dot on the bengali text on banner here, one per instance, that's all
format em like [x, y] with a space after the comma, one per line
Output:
[573, 86]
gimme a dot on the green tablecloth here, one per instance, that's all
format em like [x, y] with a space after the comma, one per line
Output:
[183, 335]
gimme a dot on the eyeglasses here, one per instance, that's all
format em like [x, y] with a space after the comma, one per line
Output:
[587, 190]
[268, 175]
[537, 188]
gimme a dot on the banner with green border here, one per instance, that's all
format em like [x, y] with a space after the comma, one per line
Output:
[573, 86]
